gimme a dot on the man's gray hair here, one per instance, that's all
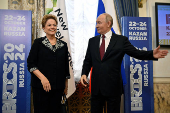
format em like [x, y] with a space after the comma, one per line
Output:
[109, 18]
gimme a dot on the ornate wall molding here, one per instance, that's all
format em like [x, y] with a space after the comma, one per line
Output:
[140, 3]
[161, 80]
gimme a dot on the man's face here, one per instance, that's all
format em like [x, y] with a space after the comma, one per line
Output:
[102, 26]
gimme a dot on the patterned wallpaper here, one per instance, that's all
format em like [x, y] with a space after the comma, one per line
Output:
[37, 7]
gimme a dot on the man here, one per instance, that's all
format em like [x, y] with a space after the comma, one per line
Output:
[105, 53]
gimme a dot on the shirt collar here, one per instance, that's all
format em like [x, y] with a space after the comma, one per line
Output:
[108, 34]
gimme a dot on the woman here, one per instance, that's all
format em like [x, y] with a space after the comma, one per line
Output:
[49, 67]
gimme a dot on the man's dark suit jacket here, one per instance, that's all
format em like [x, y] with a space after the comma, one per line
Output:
[106, 73]
[53, 64]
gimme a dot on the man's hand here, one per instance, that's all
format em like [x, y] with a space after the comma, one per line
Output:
[83, 80]
[159, 53]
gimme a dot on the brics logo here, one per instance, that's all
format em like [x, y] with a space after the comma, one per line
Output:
[167, 18]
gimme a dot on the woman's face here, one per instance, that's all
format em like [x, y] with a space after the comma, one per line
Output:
[50, 27]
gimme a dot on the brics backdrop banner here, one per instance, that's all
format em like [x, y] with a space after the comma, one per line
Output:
[139, 73]
[15, 44]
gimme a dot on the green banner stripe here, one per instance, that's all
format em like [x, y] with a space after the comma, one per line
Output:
[48, 10]
[54, 3]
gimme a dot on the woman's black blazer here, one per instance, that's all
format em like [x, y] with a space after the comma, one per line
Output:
[52, 62]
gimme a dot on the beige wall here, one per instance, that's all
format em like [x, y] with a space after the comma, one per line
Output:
[161, 68]
[3, 4]
[142, 11]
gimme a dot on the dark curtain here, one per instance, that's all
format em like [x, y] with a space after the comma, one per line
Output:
[126, 8]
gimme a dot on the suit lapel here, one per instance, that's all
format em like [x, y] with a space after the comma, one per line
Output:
[96, 47]
[111, 45]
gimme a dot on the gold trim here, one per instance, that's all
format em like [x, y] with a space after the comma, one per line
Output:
[140, 4]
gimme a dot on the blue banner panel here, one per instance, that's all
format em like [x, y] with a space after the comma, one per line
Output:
[15, 44]
[139, 96]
